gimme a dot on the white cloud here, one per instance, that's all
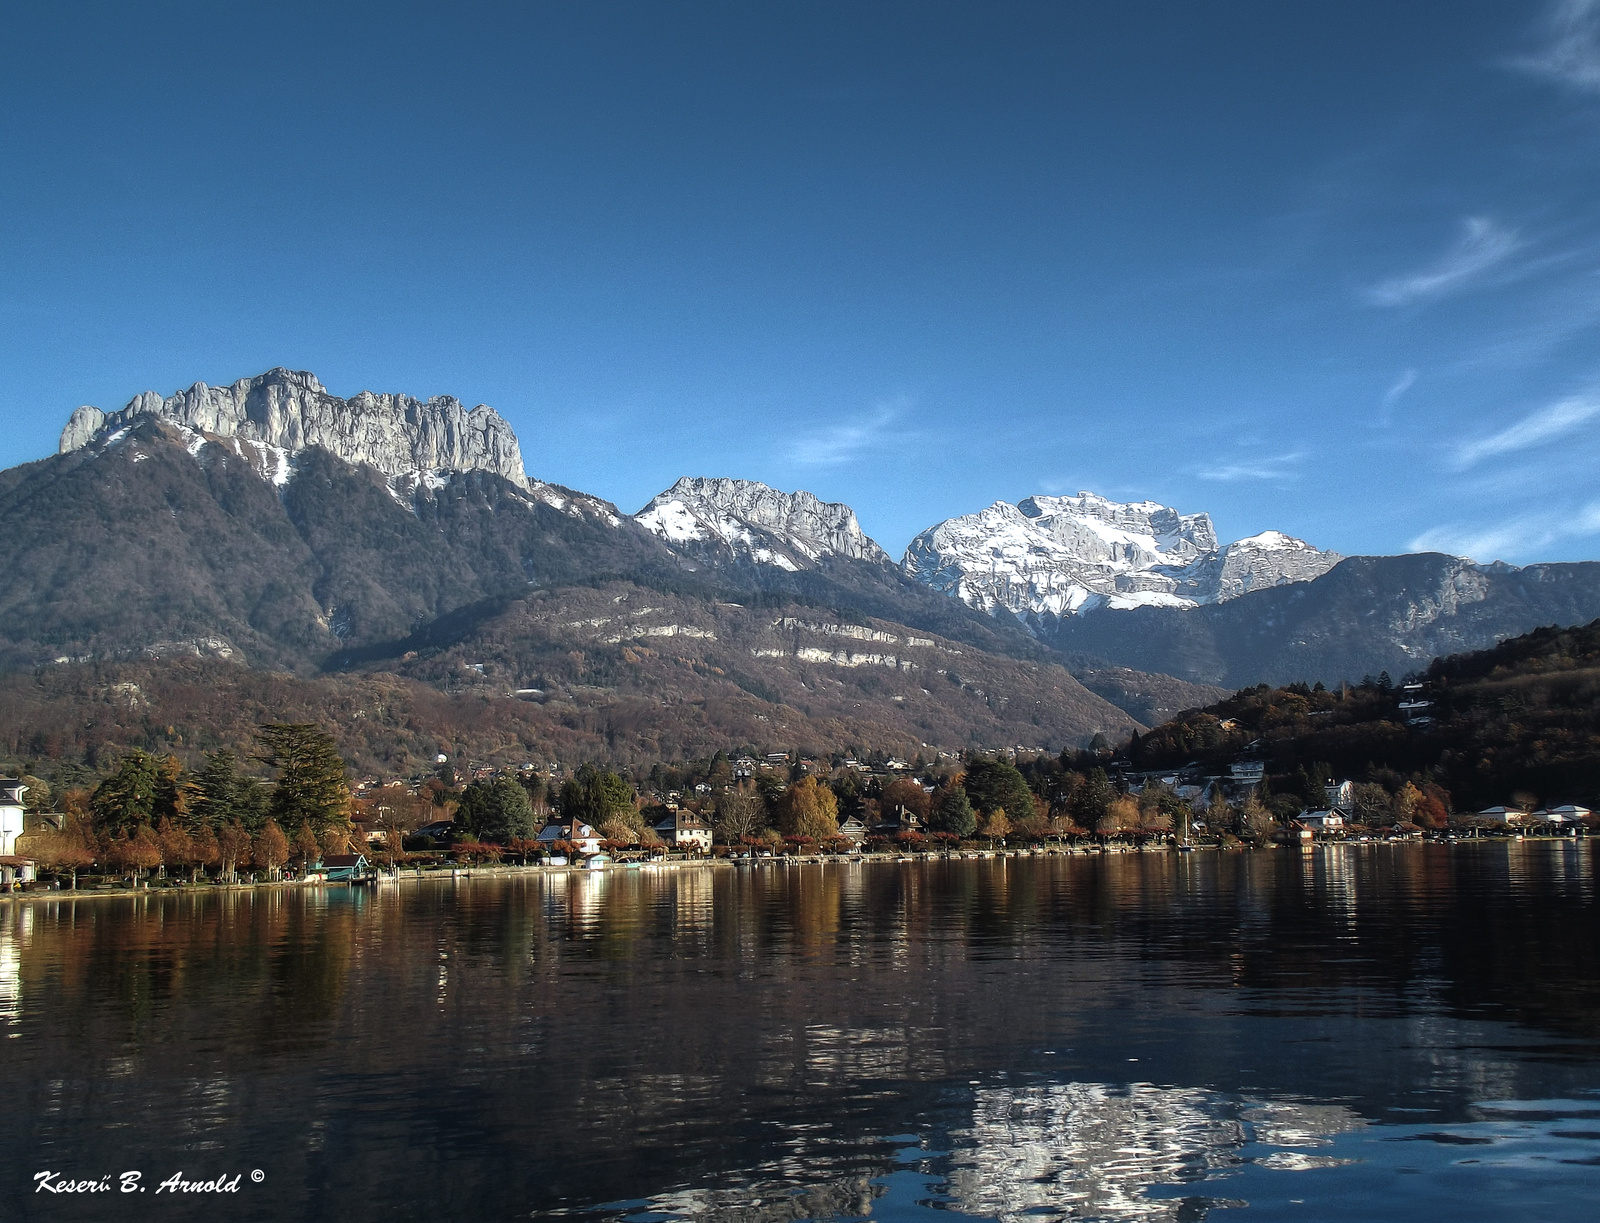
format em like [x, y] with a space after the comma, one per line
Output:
[1482, 246]
[1393, 395]
[1571, 53]
[1518, 537]
[1534, 429]
[1402, 384]
[1279, 467]
[839, 444]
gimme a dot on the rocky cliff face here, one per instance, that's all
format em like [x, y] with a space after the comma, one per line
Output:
[792, 531]
[1048, 557]
[289, 411]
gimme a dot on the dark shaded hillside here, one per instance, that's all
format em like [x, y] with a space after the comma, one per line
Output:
[138, 546]
[1522, 717]
[144, 548]
[615, 672]
[383, 569]
[626, 642]
[1367, 614]
[1150, 699]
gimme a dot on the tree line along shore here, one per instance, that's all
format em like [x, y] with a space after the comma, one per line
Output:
[153, 820]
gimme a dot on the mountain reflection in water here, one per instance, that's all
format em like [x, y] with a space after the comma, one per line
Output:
[1149, 1036]
[1088, 1149]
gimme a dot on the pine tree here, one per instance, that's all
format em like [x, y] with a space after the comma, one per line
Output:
[221, 793]
[1090, 803]
[593, 796]
[953, 813]
[127, 798]
[311, 785]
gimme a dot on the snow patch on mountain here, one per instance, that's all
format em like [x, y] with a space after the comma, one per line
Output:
[1049, 557]
[758, 524]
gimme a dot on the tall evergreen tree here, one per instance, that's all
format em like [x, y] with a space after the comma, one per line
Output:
[1093, 799]
[144, 790]
[952, 812]
[222, 793]
[127, 798]
[496, 810]
[311, 786]
[594, 796]
[995, 785]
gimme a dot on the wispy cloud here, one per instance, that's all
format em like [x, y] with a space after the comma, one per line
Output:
[1571, 50]
[1534, 429]
[844, 443]
[1393, 395]
[1483, 245]
[1402, 384]
[1278, 467]
[1519, 537]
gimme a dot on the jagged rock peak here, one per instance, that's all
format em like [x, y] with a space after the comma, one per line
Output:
[290, 409]
[761, 524]
[1054, 556]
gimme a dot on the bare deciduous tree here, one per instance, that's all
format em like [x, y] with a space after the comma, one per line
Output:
[741, 813]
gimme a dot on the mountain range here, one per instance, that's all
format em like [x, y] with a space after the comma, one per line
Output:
[272, 524]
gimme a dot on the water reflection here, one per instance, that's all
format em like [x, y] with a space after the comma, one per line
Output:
[712, 1041]
[16, 924]
[1093, 1150]
[1090, 1149]
[1143, 1152]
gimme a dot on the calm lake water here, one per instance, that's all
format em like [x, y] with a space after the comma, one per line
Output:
[1356, 1033]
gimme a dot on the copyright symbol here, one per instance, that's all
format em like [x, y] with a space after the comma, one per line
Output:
[257, 1175]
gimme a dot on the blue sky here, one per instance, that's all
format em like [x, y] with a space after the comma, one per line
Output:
[1332, 269]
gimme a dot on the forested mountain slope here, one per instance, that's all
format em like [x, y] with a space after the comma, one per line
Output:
[1521, 718]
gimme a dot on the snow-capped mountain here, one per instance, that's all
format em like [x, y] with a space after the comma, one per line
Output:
[1060, 556]
[274, 524]
[792, 531]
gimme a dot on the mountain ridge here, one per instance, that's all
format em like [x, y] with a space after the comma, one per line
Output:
[757, 523]
[289, 411]
[1058, 556]
[218, 522]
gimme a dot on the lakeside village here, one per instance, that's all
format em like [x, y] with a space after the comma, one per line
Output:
[155, 823]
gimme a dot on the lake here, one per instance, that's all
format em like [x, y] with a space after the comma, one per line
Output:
[1349, 1033]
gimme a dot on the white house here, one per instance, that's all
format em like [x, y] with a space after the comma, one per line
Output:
[1340, 794]
[575, 832]
[1322, 821]
[683, 829]
[1567, 813]
[1503, 815]
[11, 792]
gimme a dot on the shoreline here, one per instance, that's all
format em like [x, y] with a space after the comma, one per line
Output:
[500, 872]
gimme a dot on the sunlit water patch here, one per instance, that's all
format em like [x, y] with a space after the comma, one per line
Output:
[1136, 1151]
